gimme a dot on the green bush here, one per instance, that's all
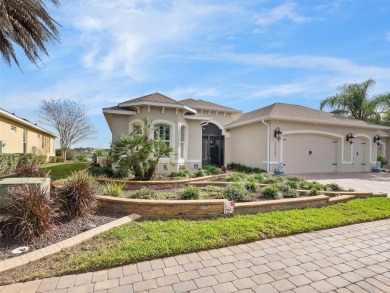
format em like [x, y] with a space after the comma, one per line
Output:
[237, 192]
[182, 173]
[30, 170]
[100, 171]
[200, 173]
[144, 193]
[9, 162]
[314, 191]
[383, 161]
[211, 170]
[333, 187]
[113, 189]
[28, 213]
[293, 184]
[286, 190]
[190, 192]
[212, 191]
[80, 158]
[295, 178]
[235, 177]
[251, 185]
[243, 168]
[272, 192]
[77, 197]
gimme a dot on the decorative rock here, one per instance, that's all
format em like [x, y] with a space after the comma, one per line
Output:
[89, 226]
[20, 250]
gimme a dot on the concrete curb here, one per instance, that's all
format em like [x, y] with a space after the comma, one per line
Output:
[18, 261]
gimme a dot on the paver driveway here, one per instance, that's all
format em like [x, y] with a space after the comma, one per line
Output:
[353, 258]
[375, 182]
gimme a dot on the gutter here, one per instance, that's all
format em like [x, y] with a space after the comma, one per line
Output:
[268, 141]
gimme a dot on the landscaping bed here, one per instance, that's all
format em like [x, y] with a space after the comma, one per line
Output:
[62, 230]
[147, 240]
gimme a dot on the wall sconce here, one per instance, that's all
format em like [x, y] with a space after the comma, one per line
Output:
[377, 139]
[350, 138]
[4, 144]
[278, 133]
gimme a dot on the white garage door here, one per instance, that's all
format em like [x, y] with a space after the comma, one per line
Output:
[308, 153]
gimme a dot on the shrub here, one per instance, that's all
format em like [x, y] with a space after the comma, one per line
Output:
[30, 170]
[383, 161]
[80, 158]
[100, 171]
[113, 189]
[251, 185]
[212, 191]
[271, 179]
[211, 170]
[190, 192]
[181, 173]
[271, 192]
[235, 177]
[286, 190]
[333, 187]
[144, 193]
[9, 162]
[237, 192]
[295, 178]
[28, 213]
[200, 173]
[316, 185]
[293, 184]
[243, 168]
[314, 192]
[77, 197]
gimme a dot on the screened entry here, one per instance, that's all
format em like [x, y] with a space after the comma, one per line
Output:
[213, 145]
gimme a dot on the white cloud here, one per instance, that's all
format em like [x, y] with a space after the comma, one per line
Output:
[279, 13]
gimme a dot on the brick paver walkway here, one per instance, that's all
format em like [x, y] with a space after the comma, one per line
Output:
[353, 258]
[367, 181]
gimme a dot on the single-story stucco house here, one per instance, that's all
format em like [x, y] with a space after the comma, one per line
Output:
[18, 135]
[305, 140]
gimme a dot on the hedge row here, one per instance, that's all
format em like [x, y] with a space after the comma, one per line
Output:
[9, 162]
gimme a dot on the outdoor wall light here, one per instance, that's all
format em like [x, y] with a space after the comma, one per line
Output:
[350, 138]
[377, 139]
[278, 133]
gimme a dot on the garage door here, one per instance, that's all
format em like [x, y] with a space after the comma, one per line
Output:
[308, 153]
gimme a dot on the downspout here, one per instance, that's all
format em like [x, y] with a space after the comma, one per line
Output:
[268, 131]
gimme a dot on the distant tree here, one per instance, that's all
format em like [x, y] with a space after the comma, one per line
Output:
[353, 101]
[69, 119]
[138, 153]
[27, 24]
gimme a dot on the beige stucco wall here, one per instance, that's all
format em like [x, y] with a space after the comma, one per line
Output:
[37, 140]
[248, 145]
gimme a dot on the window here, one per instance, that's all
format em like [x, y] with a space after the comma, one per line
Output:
[136, 128]
[24, 141]
[13, 128]
[182, 140]
[163, 131]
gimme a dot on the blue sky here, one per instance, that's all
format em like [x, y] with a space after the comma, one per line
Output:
[242, 54]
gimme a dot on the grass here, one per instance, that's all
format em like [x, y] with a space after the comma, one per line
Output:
[62, 170]
[146, 240]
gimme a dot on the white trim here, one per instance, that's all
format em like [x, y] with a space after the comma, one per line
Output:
[119, 112]
[172, 131]
[24, 122]
[190, 117]
[158, 104]
[220, 127]
[271, 162]
[132, 122]
[185, 152]
[370, 146]
[317, 121]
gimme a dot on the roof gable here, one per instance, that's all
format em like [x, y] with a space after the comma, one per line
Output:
[205, 105]
[155, 97]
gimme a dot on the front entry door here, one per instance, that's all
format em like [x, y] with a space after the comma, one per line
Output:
[213, 150]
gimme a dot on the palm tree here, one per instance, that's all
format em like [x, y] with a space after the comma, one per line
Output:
[27, 24]
[353, 101]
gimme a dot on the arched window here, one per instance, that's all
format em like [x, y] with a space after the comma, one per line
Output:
[182, 141]
[163, 131]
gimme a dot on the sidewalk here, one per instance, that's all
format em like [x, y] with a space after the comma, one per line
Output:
[353, 258]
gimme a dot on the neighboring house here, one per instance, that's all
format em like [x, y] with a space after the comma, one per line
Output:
[304, 139]
[18, 135]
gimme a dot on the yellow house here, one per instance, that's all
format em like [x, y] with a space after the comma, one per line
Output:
[18, 135]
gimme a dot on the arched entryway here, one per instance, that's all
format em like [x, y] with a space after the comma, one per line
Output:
[213, 145]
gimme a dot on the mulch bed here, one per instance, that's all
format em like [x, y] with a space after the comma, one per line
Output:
[62, 231]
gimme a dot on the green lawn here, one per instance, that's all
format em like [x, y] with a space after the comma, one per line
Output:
[63, 170]
[146, 240]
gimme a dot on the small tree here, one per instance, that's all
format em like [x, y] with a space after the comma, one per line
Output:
[69, 119]
[139, 153]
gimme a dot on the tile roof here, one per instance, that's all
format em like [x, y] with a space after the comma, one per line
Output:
[155, 97]
[282, 110]
[201, 104]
